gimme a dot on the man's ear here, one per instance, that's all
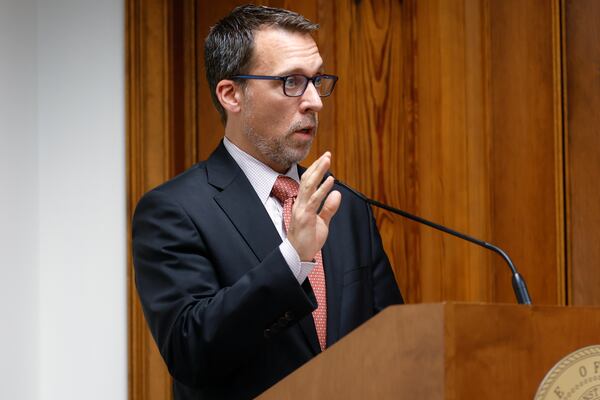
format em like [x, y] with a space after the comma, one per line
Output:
[229, 95]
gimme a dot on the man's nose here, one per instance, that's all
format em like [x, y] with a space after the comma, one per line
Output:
[311, 101]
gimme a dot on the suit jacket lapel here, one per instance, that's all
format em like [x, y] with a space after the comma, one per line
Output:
[241, 204]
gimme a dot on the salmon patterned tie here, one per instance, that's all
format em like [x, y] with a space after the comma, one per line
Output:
[285, 190]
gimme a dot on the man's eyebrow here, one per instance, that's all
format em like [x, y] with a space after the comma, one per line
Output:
[300, 71]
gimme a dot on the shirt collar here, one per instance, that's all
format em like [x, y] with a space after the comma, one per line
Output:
[261, 176]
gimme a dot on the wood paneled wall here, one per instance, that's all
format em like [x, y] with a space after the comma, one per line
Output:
[582, 138]
[527, 147]
[452, 110]
[149, 162]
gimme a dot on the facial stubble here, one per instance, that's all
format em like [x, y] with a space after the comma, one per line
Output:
[282, 150]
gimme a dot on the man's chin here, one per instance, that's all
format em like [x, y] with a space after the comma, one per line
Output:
[301, 152]
[294, 156]
[290, 152]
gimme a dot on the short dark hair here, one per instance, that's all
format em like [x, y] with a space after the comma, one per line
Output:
[229, 46]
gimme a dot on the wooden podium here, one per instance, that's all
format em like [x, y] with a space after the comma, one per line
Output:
[452, 351]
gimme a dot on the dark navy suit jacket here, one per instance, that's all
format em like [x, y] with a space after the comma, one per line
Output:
[228, 315]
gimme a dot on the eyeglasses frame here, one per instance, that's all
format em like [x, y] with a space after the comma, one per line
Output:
[285, 77]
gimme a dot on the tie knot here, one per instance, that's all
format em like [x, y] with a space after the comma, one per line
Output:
[284, 188]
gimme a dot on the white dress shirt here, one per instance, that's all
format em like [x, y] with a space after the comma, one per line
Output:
[262, 178]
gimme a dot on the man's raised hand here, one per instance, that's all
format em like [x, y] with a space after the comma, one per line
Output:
[309, 227]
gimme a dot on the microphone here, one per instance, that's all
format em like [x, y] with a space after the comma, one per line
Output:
[518, 283]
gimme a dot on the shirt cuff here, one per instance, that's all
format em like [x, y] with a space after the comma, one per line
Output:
[299, 269]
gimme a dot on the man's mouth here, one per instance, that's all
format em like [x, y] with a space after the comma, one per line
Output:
[306, 131]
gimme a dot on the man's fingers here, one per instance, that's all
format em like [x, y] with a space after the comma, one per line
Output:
[319, 195]
[330, 207]
[312, 177]
[321, 166]
[311, 169]
[308, 228]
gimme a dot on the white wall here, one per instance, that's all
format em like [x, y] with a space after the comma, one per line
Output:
[62, 209]
[82, 199]
[19, 311]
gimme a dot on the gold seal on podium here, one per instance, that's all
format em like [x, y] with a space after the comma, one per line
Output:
[575, 377]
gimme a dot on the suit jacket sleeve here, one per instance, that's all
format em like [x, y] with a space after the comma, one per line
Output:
[204, 330]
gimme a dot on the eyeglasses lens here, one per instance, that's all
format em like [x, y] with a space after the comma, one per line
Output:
[295, 85]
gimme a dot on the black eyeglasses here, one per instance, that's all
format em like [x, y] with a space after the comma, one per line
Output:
[295, 85]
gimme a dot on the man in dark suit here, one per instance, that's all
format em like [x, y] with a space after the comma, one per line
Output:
[246, 265]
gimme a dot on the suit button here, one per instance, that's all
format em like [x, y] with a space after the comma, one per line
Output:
[268, 333]
[289, 316]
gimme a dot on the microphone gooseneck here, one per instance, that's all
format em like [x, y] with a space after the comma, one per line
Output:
[518, 283]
